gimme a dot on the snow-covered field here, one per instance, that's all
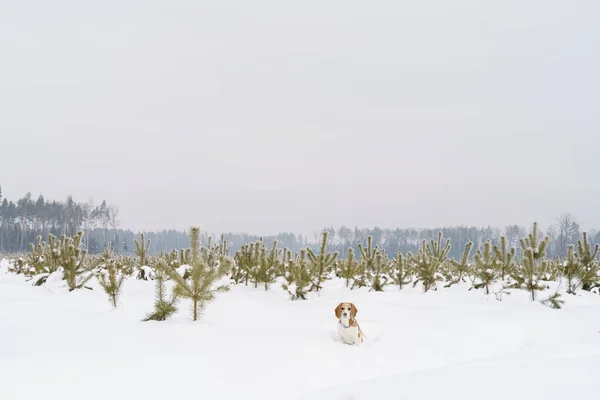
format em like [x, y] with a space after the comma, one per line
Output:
[252, 344]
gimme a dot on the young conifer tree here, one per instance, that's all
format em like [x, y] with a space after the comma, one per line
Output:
[73, 262]
[199, 288]
[504, 258]
[462, 267]
[588, 265]
[297, 276]
[321, 264]
[402, 274]
[269, 266]
[248, 261]
[533, 265]
[163, 308]
[485, 267]
[429, 260]
[348, 268]
[570, 270]
[111, 278]
[381, 271]
[141, 249]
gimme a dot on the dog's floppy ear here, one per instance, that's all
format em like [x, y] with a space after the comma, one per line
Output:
[353, 311]
[338, 311]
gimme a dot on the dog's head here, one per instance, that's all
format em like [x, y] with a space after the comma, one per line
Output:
[346, 311]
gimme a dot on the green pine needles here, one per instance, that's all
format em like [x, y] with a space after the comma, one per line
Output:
[485, 271]
[534, 266]
[141, 249]
[76, 272]
[199, 287]
[459, 269]
[321, 264]
[401, 271]
[429, 261]
[348, 268]
[297, 276]
[163, 307]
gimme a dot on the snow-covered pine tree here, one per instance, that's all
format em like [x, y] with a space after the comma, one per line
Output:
[588, 264]
[402, 274]
[320, 265]
[163, 307]
[570, 270]
[429, 260]
[247, 262]
[348, 268]
[76, 272]
[199, 288]
[172, 259]
[54, 252]
[145, 272]
[297, 276]
[380, 275]
[270, 265]
[37, 256]
[111, 276]
[504, 258]
[141, 249]
[460, 268]
[485, 272]
[533, 265]
[367, 259]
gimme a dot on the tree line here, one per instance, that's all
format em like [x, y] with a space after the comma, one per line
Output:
[22, 221]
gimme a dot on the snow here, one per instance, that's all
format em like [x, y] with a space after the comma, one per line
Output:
[450, 344]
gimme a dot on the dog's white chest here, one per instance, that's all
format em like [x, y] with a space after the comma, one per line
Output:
[349, 334]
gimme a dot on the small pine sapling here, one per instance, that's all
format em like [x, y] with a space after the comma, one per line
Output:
[185, 256]
[73, 262]
[504, 258]
[461, 268]
[200, 288]
[247, 262]
[297, 276]
[141, 249]
[533, 265]
[570, 270]
[321, 264]
[588, 265]
[163, 308]
[37, 257]
[402, 274]
[269, 266]
[380, 273]
[111, 279]
[367, 259]
[172, 259]
[429, 260]
[348, 268]
[485, 272]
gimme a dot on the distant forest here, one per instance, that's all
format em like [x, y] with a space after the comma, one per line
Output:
[22, 221]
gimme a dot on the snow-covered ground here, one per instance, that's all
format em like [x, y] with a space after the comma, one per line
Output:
[252, 344]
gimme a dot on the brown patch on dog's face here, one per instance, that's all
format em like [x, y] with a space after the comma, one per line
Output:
[338, 311]
[354, 311]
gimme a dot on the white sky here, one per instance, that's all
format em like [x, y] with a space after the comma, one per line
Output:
[268, 116]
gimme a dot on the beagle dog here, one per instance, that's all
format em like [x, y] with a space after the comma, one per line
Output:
[348, 330]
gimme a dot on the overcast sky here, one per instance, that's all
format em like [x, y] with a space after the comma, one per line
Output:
[268, 116]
